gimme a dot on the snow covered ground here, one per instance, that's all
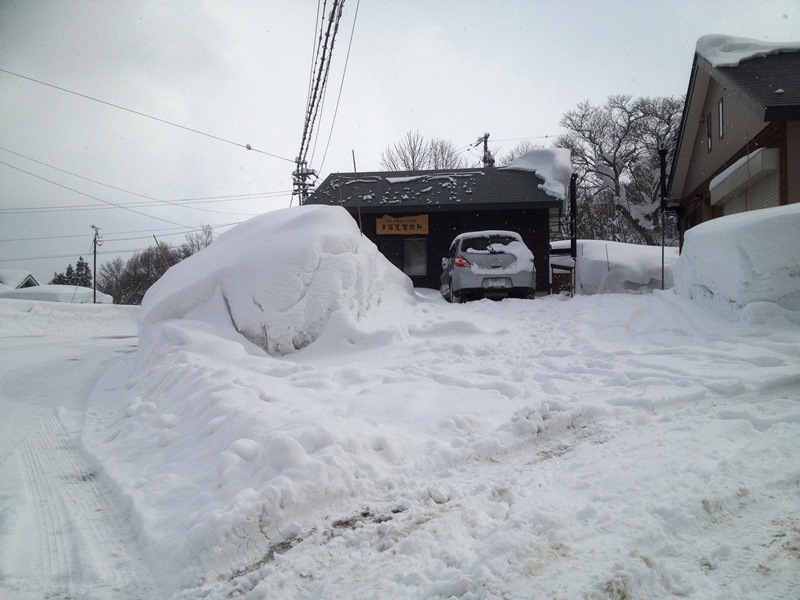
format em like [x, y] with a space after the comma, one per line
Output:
[606, 446]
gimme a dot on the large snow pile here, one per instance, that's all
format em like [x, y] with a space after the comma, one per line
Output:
[551, 164]
[729, 51]
[278, 279]
[744, 258]
[56, 293]
[613, 267]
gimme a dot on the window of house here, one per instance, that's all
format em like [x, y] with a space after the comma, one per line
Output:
[708, 132]
[415, 256]
[721, 119]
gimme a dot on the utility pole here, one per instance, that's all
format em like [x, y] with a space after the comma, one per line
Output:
[662, 154]
[488, 158]
[95, 243]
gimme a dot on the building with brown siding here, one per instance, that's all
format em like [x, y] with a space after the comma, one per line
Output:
[739, 143]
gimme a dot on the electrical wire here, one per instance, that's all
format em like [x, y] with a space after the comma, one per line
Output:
[153, 200]
[145, 115]
[341, 87]
[109, 235]
[320, 78]
[90, 196]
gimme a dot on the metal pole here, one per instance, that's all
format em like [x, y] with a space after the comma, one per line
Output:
[662, 153]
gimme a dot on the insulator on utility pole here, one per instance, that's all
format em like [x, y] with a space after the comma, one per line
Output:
[300, 177]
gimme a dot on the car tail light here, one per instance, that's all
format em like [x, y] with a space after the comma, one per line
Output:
[460, 261]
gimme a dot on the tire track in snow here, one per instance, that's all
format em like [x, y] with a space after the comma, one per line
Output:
[86, 546]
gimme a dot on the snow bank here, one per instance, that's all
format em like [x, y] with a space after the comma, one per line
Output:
[554, 165]
[744, 258]
[728, 51]
[278, 279]
[56, 293]
[24, 317]
[613, 267]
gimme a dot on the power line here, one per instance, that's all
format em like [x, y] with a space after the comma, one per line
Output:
[90, 196]
[177, 203]
[341, 87]
[316, 98]
[182, 203]
[145, 115]
[108, 236]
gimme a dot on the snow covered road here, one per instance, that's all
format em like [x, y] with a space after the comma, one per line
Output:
[64, 532]
[614, 446]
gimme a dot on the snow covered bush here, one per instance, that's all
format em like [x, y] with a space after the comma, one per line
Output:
[278, 279]
[744, 258]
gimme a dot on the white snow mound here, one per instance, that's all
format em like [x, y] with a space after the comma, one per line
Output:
[744, 258]
[278, 278]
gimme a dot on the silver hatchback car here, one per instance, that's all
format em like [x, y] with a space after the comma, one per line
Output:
[488, 264]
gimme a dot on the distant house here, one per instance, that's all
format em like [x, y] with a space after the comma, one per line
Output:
[738, 147]
[17, 279]
[412, 217]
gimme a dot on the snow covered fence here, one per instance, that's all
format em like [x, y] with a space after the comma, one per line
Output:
[744, 258]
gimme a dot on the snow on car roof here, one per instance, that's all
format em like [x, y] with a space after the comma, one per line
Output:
[488, 233]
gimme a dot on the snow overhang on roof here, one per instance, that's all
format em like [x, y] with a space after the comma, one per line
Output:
[553, 165]
[728, 51]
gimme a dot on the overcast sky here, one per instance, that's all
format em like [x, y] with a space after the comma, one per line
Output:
[239, 71]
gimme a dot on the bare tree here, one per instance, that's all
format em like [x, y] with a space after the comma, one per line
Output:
[522, 147]
[444, 155]
[615, 149]
[128, 281]
[409, 154]
[414, 153]
[197, 241]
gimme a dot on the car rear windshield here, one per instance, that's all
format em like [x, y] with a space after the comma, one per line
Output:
[482, 244]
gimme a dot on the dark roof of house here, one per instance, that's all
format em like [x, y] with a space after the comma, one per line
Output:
[769, 85]
[441, 190]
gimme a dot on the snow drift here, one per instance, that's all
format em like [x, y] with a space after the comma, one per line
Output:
[744, 258]
[278, 279]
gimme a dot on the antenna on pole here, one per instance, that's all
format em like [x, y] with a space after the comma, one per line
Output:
[488, 157]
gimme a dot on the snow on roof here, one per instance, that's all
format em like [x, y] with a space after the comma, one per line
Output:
[57, 293]
[728, 51]
[13, 278]
[554, 165]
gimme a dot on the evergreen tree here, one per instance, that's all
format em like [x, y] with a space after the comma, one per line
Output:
[80, 274]
[83, 274]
